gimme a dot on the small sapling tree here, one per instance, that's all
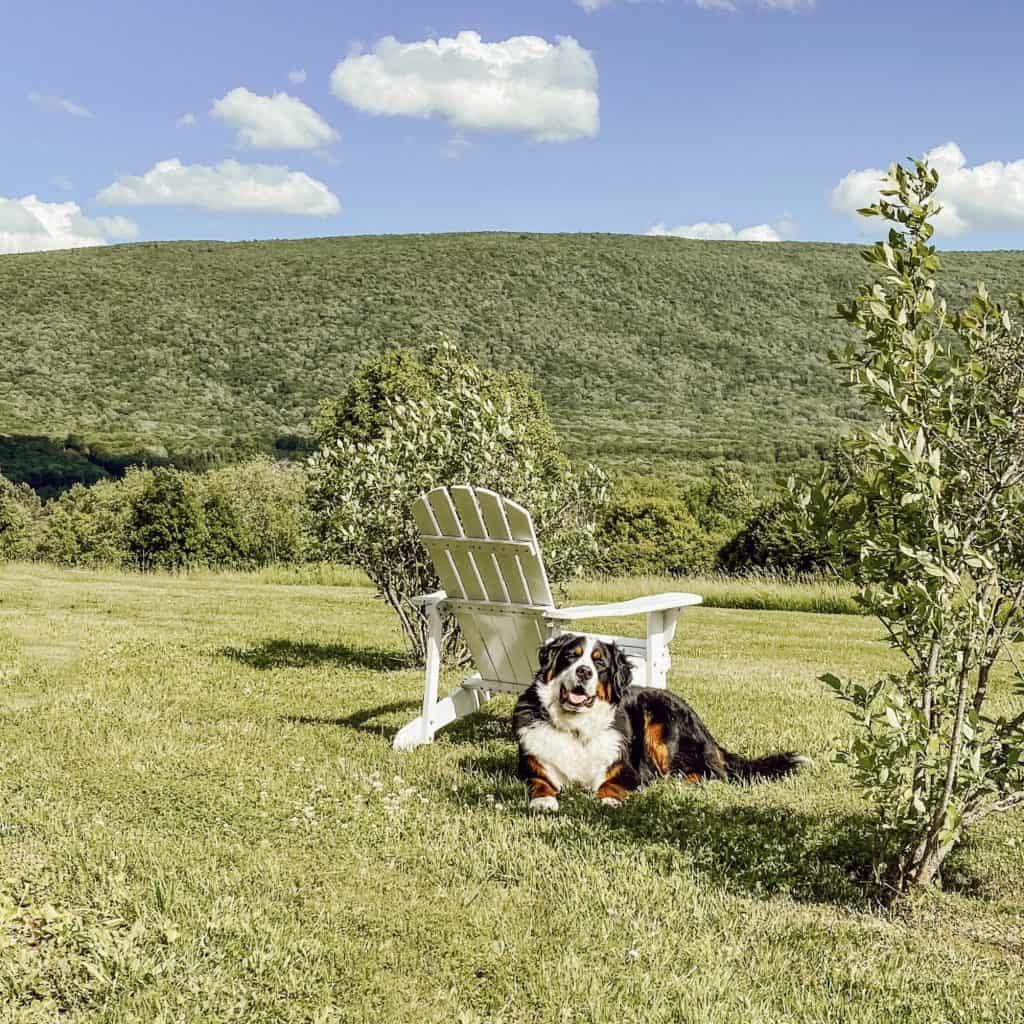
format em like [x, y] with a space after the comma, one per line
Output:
[928, 522]
[413, 421]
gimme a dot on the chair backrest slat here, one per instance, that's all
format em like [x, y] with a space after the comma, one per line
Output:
[485, 550]
[520, 525]
[446, 571]
[493, 512]
[449, 526]
[518, 636]
[473, 526]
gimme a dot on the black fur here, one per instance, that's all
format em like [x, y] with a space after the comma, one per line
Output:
[691, 748]
[549, 654]
[620, 672]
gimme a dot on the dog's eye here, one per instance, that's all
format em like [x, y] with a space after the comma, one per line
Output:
[598, 656]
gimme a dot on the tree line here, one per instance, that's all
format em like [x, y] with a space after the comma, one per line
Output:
[261, 511]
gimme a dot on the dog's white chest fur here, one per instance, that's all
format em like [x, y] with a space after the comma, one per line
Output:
[569, 754]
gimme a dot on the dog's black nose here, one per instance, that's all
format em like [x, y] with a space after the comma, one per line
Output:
[584, 672]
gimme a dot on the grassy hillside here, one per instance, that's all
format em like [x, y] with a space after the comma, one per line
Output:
[652, 352]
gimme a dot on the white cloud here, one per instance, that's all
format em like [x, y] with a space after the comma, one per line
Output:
[230, 186]
[547, 91]
[123, 228]
[58, 105]
[596, 5]
[32, 225]
[272, 122]
[987, 197]
[722, 232]
[297, 77]
[186, 121]
[716, 5]
[786, 226]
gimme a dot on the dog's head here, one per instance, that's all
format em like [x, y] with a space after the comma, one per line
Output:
[581, 671]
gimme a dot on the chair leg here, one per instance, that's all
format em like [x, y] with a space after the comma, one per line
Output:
[436, 714]
[433, 673]
[462, 701]
[418, 730]
[661, 628]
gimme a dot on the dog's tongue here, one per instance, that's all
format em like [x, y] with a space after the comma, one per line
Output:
[578, 698]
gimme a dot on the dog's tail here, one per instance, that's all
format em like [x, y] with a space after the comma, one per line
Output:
[772, 766]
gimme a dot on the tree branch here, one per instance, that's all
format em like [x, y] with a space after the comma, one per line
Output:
[1006, 804]
[955, 744]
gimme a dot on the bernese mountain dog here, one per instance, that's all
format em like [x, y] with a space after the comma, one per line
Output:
[581, 721]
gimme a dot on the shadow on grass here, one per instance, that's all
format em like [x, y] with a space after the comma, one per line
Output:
[272, 654]
[757, 850]
[492, 722]
[478, 728]
[361, 721]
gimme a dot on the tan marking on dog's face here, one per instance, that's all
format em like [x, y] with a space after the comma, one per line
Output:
[563, 656]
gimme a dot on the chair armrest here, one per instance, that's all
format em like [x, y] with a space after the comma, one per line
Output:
[638, 606]
[429, 600]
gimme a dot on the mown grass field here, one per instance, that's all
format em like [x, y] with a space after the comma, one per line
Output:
[202, 819]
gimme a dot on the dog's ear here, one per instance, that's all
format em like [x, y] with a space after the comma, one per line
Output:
[549, 652]
[620, 672]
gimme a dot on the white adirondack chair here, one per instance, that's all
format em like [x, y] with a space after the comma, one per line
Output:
[485, 551]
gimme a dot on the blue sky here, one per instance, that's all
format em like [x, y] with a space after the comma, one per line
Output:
[755, 119]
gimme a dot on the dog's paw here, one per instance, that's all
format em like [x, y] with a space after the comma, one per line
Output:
[544, 805]
[611, 801]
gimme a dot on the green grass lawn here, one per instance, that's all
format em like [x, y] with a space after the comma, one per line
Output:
[202, 819]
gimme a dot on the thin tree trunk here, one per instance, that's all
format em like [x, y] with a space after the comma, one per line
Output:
[923, 863]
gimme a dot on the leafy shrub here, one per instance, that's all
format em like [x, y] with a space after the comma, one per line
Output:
[642, 535]
[772, 541]
[410, 422]
[89, 526]
[166, 528]
[20, 513]
[222, 533]
[722, 502]
[246, 515]
[265, 504]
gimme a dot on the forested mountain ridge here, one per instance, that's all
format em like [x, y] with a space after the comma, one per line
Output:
[660, 353]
